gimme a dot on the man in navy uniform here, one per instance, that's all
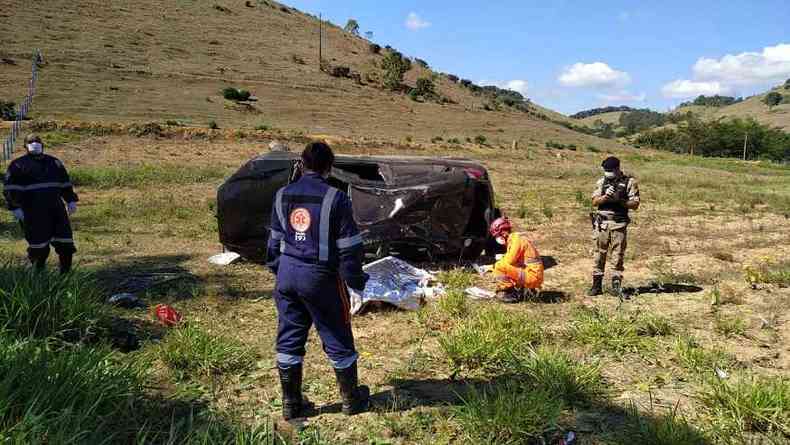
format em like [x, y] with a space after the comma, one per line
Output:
[35, 187]
[316, 250]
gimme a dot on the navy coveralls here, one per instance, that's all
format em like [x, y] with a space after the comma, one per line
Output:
[315, 249]
[39, 185]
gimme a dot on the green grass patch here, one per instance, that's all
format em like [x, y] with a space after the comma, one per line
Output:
[56, 138]
[573, 381]
[693, 357]
[729, 326]
[616, 333]
[750, 405]
[457, 279]
[508, 414]
[189, 351]
[492, 340]
[454, 304]
[48, 305]
[777, 274]
[143, 175]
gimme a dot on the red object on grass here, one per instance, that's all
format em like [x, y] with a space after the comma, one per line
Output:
[167, 315]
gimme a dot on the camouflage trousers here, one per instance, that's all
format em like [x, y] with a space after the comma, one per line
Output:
[614, 240]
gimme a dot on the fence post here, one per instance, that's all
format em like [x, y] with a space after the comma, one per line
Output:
[24, 107]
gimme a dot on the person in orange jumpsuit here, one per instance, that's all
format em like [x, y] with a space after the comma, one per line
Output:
[521, 269]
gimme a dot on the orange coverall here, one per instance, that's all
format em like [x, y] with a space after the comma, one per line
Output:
[521, 267]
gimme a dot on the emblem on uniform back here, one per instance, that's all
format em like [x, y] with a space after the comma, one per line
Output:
[300, 222]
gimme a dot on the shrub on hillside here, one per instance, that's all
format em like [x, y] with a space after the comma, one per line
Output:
[480, 139]
[340, 71]
[7, 111]
[772, 99]
[395, 67]
[421, 62]
[787, 84]
[352, 26]
[425, 88]
[374, 48]
[236, 94]
[453, 78]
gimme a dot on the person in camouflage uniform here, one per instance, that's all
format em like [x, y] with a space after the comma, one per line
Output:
[614, 196]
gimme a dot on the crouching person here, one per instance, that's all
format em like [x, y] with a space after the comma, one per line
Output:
[315, 249]
[38, 191]
[521, 269]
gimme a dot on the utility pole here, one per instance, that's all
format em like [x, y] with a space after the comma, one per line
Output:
[320, 41]
[745, 141]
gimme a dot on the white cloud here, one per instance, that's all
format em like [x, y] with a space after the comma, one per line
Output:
[415, 22]
[517, 85]
[770, 65]
[680, 89]
[597, 74]
[622, 96]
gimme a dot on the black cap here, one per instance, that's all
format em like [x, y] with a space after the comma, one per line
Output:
[610, 164]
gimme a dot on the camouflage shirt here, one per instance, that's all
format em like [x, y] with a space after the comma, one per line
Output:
[631, 193]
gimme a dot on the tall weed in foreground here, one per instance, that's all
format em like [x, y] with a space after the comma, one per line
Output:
[693, 357]
[508, 414]
[615, 332]
[75, 395]
[749, 405]
[45, 304]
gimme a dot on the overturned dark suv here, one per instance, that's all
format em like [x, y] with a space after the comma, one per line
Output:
[404, 206]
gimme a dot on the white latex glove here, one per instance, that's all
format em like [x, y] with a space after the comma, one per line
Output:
[19, 214]
[71, 207]
[610, 191]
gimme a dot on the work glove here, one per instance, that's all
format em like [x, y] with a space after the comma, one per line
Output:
[19, 215]
[72, 207]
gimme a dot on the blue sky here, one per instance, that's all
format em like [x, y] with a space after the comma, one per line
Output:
[571, 56]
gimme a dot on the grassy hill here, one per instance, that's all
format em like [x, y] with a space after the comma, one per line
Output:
[752, 107]
[607, 118]
[156, 60]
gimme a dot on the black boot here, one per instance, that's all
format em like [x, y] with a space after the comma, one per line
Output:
[65, 263]
[508, 296]
[356, 398]
[291, 382]
[597, 286]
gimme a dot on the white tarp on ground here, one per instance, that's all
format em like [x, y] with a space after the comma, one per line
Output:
[396, 282]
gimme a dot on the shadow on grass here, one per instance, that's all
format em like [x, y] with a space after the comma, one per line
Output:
[661, 288]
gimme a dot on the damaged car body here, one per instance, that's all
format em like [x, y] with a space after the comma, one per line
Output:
[404, 206]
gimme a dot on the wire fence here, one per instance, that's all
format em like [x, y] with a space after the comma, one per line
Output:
[24, 108]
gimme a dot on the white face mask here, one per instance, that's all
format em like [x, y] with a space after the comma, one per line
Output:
[610, 175]
[501, 240]
[35, 148]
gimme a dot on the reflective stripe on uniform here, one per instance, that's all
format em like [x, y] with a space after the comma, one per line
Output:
[278, 205]
[323, 234]
[347, 243]
[533, 261]
[39, 186]
[63, 240]
[38, 245]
